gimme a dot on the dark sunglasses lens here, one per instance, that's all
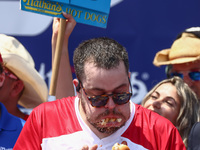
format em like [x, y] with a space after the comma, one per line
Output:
[177, 74]
[121, 98]
[195, 76]
[98, 101]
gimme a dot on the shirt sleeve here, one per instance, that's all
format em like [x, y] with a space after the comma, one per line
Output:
[175, 141]
[30, 137]
[167, 136]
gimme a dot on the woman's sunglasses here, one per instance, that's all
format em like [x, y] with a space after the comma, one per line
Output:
[195, 75]
[101, 100]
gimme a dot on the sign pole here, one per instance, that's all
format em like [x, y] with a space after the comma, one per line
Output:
[58, 52]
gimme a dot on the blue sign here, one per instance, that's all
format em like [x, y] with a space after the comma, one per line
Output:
[91, 12]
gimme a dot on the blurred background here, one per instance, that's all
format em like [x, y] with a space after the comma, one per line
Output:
[142, 26]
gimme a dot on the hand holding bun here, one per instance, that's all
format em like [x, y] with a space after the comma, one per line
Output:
[118, 146]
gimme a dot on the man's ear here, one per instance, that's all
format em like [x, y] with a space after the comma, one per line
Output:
[17, 87]
[77, 84]
[129, 75]
[2, 79]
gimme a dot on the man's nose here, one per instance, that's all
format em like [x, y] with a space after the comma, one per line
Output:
[188, 80]
[110, 104]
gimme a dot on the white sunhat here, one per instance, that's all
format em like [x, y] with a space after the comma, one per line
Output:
[18, 60]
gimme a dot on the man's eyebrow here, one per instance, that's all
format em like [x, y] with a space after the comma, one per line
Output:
[100, 89]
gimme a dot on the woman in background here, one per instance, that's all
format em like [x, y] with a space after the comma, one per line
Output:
[174, 100]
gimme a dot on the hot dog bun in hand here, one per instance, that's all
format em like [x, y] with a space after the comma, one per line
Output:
[118, 146]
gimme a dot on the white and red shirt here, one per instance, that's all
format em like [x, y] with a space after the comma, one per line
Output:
[58, 125]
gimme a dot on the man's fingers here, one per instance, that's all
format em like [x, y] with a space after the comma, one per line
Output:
[85, 147]
[124, 142]
[94, 147]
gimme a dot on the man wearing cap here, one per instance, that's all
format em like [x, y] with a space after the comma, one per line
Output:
[183, 58]
[10, 126]
[23, 85]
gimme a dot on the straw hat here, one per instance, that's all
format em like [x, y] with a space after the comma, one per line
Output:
[183, 50]
[18, 60]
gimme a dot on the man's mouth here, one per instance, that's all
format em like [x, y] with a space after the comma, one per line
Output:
[107, 121]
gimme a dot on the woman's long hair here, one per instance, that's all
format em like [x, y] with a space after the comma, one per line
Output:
[189, 109]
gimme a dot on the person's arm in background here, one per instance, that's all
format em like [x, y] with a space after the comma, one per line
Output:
[65, 86]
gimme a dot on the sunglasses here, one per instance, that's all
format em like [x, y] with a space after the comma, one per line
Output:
[10, 74]
[102, 100]
[195, 75]
[6, 73]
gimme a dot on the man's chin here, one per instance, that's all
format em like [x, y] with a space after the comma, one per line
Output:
[107, 130]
